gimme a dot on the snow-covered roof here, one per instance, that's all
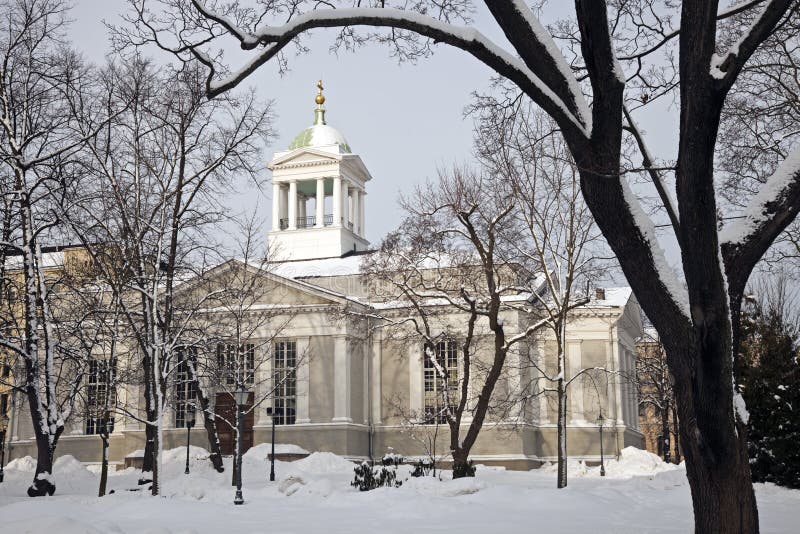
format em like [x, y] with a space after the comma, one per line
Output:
[348, 265]
[49, 260]
[614, 297]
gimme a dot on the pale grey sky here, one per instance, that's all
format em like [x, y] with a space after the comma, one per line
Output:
[404, 121]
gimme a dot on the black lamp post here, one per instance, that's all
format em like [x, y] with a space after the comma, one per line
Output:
[600, 421]
[241, 399]
[271, 414]
[190, 419]
[3, 429]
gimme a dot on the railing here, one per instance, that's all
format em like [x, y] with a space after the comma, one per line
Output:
[308, 222]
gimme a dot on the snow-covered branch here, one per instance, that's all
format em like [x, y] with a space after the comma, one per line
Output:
[273, 39]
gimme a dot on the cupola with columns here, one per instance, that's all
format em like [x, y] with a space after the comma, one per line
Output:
[318, 194]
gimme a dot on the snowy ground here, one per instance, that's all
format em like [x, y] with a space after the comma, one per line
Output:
[639, 495]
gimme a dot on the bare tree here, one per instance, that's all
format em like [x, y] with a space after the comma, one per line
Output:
[656, 394]
[553, 236]
[44, 87]
[447, 255]
[159, 169]
[653, 49]
[235, 341]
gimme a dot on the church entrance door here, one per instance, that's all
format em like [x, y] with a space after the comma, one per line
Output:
[226, 416]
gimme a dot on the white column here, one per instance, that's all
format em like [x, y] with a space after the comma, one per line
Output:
[354, 210]
[276, 207]
[575, 391]
[320, 208]
[351, 194]
[337, 201]
[615, 358]
[301, 207]
[611, 409]
[361, 198]
[376, 394]
[345, 212]
[539, 355]
[264, 377]
[516, 412]
[341, 381]
[366, 370]
[292, 205]
[415, 392]
[302, 384]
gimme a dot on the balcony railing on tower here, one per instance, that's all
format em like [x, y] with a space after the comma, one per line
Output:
[307, 222]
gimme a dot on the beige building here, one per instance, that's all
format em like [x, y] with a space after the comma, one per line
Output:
[353, 387]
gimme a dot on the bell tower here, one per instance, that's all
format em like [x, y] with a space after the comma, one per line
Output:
[318, 194]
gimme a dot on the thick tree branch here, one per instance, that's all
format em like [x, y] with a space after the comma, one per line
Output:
[745, 241]
[468, 39]
[539, 52]
[727, 66]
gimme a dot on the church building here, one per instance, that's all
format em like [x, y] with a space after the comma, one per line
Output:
[336, 382]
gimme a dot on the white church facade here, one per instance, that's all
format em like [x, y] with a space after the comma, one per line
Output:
[355, 389]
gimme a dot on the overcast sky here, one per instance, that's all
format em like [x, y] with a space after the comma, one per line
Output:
[405, 121]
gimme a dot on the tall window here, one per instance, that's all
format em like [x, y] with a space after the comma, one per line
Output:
[185, 387]
[446, 354]
[285, 399]
[3, 404]
[231, 362]
[99, 396]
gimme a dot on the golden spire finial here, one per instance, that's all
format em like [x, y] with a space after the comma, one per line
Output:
[320, 99]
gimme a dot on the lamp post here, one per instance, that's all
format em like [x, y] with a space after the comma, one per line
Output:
[190, 419]
[600, 421]
[271, 414]
[241, 399]
[3, 428]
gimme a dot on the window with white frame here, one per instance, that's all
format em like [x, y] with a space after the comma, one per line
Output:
[446, 355]
[284, 365]
[99, 396]
[236, 363]
[185, 386]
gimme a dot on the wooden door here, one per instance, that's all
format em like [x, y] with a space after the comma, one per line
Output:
[225, 410]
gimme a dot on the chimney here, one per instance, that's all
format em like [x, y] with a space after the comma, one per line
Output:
[600, 293]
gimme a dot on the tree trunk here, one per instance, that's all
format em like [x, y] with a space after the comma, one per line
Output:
[717, 463]
[209, 421]
[675, 434]
[461, 464]
[42, 482]
[562, 434]
[154, 458]
[104, 467]
[665, 441]
[149, 430]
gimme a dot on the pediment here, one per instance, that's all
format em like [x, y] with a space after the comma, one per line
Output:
[233, 277]
[304, 156]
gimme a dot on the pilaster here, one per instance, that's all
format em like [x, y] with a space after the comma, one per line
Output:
[341, 379]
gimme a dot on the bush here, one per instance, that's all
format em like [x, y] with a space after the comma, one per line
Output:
[392, 458]
[422, 468]
[368, 478]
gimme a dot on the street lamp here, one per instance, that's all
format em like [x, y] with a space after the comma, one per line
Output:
[190, 419]
[241, 399]
[271, 414]
[600, 421]
[3, 428]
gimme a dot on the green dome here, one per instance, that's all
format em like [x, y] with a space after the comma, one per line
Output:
[319, 135]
